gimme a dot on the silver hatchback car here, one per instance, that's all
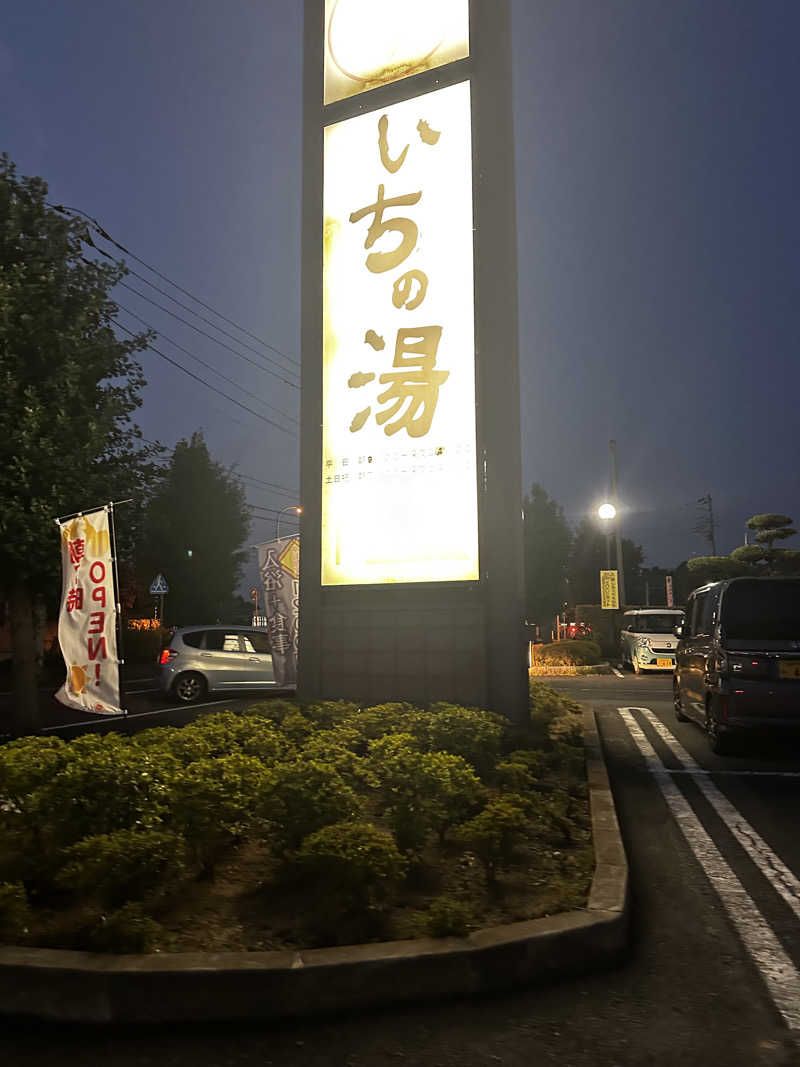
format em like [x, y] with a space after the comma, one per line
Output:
[203, 659]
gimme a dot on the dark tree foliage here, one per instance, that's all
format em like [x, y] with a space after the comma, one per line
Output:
[759, 559]
[69, 388]
[195, 526]
[547, 541]
[588, 558]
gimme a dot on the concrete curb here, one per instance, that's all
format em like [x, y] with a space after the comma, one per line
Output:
[85, 987]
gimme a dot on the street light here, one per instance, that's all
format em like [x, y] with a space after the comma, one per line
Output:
[290, 507]
[607, 512]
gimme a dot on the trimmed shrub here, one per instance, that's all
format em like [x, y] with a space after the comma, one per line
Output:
[27, 764]
[448, 917]
[127, 865]
[184, 744]
[340, 747]
[130, 929]
[109, 785]
[351, 864]
[275, 710]
[15, 913]
[569, 653]
[330, 713]
[420, 792]
[227, 733]
[303, 796]
[497, 832]
[382, 719]
[467, 732]
[215, 801]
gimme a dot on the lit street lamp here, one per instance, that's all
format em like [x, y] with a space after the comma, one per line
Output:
[290, 507]
[607, 512]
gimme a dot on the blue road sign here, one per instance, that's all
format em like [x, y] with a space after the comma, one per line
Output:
[159, 586]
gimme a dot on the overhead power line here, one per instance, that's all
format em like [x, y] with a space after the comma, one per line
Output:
[278, 374]
[208, 385]
[203, 363]
[107, 237]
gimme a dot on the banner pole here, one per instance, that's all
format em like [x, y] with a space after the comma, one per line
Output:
[118, 607]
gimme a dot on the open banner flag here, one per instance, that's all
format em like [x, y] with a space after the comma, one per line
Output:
[279, 567]
[87, 622]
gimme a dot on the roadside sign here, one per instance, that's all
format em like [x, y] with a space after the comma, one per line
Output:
[670, 601]
[158, 586]
[609, 590]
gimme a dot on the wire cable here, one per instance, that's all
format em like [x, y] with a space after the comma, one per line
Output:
[216, 340]
[208, 366]
[107, 237]
[208, 385]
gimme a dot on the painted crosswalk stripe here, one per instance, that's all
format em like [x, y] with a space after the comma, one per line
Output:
[784, 881]
[777, 970]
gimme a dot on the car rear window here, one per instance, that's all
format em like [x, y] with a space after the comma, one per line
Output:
[762, 610]
[194, 639]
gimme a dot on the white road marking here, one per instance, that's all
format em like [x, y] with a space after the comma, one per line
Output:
[738, 774]
[619, 674]
[135, 715]
[779, 973]
[774, 870]
[133, 692]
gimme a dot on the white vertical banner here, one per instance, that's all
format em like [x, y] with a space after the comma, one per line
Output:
[87, 621]
[279, 567]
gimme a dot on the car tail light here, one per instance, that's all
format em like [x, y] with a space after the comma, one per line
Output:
[166, 655]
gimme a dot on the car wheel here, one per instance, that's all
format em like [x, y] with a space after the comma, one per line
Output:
[676, 702]
[720, 742]
[189, 687]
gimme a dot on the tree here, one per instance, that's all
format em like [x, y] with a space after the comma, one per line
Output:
[547, 541]
[69, 387]
[194, 529]
[588, 558]
[757, 560]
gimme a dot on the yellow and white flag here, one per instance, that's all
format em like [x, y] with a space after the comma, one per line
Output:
[87, 622]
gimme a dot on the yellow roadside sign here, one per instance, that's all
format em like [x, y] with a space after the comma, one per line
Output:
[609, 590]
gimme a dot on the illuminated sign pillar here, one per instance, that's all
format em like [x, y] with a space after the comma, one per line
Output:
[411, 572]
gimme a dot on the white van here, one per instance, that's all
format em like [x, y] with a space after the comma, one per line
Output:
[647, 640]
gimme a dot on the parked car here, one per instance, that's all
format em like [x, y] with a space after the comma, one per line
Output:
[738, 662]
[203, 659]
[647, 640]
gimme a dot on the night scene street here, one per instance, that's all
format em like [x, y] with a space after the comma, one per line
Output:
[400, 567]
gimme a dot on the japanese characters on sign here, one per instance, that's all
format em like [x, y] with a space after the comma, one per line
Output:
[609, 590]
[279, 567]
[373, 42]
[399, 482]
[87, 620]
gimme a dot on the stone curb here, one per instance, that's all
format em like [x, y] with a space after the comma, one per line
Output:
[84, 987]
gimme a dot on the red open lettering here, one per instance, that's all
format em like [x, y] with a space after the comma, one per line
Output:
[99, 594]
[97, 621]
[101, 572]
[97, 648]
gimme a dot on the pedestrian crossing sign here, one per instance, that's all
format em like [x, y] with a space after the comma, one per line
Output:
[158, 586]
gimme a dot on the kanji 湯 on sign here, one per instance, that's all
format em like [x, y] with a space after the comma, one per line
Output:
[399, 484]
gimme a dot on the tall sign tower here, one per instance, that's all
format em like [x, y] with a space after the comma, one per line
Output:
[411, 572]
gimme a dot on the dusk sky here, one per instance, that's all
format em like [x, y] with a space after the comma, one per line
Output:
[659, 232]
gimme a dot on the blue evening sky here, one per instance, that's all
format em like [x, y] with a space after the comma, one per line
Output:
[659, 230]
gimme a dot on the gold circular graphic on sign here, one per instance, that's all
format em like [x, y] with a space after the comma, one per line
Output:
[372, 42]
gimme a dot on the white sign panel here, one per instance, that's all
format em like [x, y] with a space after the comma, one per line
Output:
[87, 630]
[399, 483]
[372, 42]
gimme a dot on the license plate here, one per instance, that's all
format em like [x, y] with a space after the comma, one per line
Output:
[789, 668]
[668, 663]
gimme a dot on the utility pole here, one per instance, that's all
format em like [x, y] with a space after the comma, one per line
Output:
[707, 527]
[618, 541]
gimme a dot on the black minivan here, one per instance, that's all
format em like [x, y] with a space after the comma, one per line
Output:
[738, 660]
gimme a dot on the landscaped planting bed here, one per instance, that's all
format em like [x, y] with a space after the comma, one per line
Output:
[294, 827]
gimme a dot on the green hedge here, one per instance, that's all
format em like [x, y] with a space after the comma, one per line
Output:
[341, 797]
[569, 654]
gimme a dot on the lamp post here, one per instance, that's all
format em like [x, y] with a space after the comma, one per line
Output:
[607, 512]
[290, 507]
